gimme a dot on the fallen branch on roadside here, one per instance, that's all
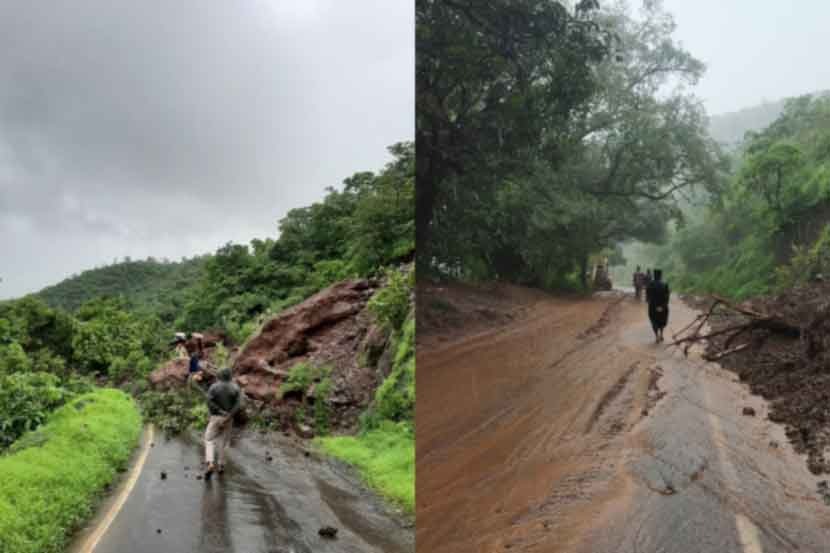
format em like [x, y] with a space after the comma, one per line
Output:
[756, 320]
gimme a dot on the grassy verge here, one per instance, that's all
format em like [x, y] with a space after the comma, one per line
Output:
[385, 457]
[51, 477]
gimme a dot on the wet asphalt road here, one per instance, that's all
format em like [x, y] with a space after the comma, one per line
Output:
[706, 477]
[274, 506]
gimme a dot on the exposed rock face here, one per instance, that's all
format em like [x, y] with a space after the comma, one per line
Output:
[330, 328]
[301, 330]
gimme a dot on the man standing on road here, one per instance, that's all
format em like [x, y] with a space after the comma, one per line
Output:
[224, 401]
[657, 296]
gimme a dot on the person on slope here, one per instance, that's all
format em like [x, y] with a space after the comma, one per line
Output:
[224, 399]
[639, 282]
[657, 296]
[194, 371]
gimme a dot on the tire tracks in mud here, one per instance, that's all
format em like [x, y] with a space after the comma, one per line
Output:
[597, 462]
[609, 396]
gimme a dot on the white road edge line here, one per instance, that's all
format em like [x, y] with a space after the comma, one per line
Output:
[747, 531]
[92, 542]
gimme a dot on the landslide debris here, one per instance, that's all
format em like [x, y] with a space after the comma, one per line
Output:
[787, 363]
[333, 334]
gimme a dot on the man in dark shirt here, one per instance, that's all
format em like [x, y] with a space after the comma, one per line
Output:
[224, 400]
[657, 296]
[194, 371]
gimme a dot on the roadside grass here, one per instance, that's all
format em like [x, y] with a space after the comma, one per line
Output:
[51, 478]
[385, 458]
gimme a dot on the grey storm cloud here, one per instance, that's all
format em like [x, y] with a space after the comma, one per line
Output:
[169, 128]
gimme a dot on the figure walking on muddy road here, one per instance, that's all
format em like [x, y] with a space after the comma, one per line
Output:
[657, 296]
[224, 400]
[639, 282]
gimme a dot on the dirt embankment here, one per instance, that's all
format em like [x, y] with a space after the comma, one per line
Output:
[450, 311]
[793, 373]
[331, 329]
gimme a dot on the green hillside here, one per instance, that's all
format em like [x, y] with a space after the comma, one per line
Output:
[729, 128]
[150, 284]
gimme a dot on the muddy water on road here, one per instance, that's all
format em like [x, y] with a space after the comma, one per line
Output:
[274, 506]
[572, 431]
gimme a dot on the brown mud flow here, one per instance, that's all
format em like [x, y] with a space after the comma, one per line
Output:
[568, 429]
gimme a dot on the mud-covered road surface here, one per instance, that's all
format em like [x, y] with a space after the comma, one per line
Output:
[570, 430]
[258, 505]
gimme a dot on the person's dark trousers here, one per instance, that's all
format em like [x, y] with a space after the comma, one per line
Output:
[658, 318]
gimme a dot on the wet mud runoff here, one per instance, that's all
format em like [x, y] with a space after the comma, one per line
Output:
[570, 430]
[275, 506]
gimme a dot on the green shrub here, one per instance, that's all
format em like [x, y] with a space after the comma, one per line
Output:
[281, 305]
[302, 375]
[174, 411]
[239, 332]
[391, 303]
[135, 366]
[220, 355]
[395, 397]
[98, 342]
[26, 401]
[322, 413]
[328, 272]
[50, 484]
[806, 263]
[44, 360]
[14, 359]
[300, 414]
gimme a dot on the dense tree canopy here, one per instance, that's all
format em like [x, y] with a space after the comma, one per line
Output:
[548, 135]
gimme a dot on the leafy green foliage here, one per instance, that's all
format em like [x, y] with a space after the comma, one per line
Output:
[14, 359]
[301, 376]
[395, 398]
[322, 413]
[524, 179]
[50, 483]
[174, 411]
[391, 303]
[108, 334]
[135, 366]
[26, 400]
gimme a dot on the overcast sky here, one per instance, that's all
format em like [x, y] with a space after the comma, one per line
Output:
[169, 128]
[754, 50]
